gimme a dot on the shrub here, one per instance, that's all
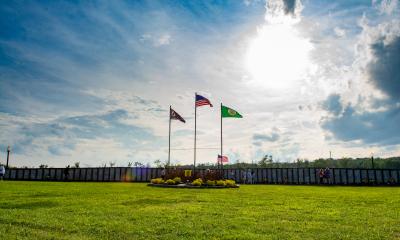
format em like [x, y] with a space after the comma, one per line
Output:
[197, 182]
[230, 183]
[157, 180]
[210, 183]
[170, 182]
[220, 183]
[177, 180]
[200, 180]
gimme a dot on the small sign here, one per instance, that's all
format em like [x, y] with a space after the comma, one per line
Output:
[188, 173]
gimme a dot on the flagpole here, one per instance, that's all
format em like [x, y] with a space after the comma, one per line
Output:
[169, 138]
[221, 142]
[195, 132]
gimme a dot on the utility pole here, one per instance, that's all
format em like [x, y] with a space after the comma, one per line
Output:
[8, 155]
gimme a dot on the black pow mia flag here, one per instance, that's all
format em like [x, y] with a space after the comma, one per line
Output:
[174, 115]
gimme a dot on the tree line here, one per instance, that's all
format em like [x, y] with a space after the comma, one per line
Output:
[268, 162]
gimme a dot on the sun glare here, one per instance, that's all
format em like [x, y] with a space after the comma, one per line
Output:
[278, 57]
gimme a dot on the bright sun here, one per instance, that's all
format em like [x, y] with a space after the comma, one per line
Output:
[278, 57]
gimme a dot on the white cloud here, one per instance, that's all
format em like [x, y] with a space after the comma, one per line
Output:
[164, 39]
[386, 6]
[370, 115]
[340, 32]
[157, 40]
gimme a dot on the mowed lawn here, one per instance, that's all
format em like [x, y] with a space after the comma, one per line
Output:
[57, 210]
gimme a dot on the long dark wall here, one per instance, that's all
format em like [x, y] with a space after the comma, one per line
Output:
[338, 176]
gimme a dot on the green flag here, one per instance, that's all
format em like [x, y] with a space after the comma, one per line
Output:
[229, 112]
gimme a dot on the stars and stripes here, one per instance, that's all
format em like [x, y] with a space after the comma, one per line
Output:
[202, 101]
[222, 159]
[174, 115]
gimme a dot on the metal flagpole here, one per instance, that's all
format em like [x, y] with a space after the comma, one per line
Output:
[195, 132]
[221, 141]
[169, 138]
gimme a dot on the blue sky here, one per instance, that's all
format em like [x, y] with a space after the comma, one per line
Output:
[91, 81]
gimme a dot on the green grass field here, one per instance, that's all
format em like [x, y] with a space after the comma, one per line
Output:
[56, 210]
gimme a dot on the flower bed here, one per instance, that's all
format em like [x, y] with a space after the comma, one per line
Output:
[197, 183]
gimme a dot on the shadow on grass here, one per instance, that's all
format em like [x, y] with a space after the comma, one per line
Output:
[154, 201]
[45, 194]
[30, 205]
[32, 225]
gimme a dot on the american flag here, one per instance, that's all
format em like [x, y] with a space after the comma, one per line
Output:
[201, 101]
[223, 159]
